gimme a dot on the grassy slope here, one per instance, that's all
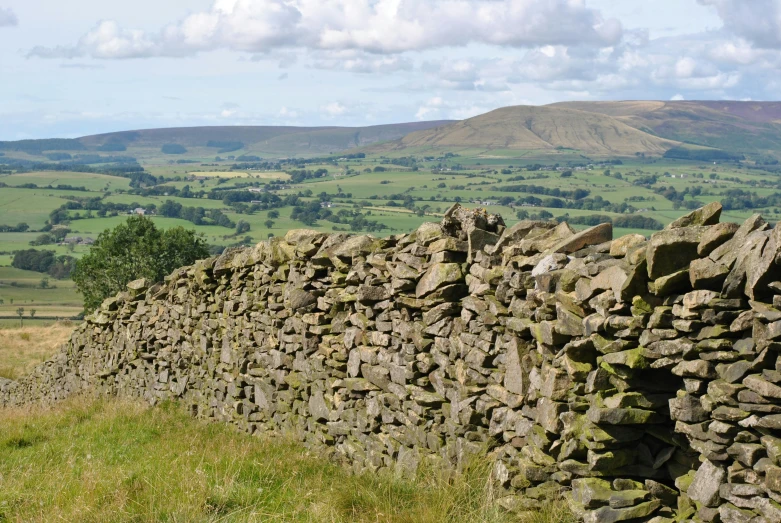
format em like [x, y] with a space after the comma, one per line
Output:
[122, 461]
[267, 140]
[21, 349]
[119, 461]
[745, 127]
[20, 288]
[537, 128]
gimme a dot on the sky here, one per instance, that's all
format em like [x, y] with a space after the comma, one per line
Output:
[82, 67]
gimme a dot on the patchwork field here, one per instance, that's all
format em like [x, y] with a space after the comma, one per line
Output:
[387, 192]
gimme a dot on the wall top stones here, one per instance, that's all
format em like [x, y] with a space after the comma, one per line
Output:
[640, 378]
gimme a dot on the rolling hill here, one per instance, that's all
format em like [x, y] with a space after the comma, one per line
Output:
[750, 128]
[237, 140]
[532, 128]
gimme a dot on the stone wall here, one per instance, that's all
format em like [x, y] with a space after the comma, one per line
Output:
[640, 377]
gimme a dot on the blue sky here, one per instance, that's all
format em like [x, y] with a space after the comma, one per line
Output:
[89, 66]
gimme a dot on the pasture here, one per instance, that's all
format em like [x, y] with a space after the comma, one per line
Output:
[383, 193]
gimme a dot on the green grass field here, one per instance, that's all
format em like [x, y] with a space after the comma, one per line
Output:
[20, 288]
[113, 461]
[398, 198]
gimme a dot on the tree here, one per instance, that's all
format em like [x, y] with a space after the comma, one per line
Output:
[32, 313]
[135, 249]
[242, 227]
[44, 284]
[273, 214]
[269, 224]
[20, 313]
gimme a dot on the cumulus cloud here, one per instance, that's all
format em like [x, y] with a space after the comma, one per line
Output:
[757, 21]
[373, 26]
[8, 18]
[430, 108]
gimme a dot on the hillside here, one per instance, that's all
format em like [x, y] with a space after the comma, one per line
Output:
[751, 128]
[208, 141]
[530, 128]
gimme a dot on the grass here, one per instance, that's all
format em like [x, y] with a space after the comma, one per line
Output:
[20, 288]
[113, 461]
[21, 349]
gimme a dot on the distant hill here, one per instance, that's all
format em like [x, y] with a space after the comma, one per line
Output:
[750, 128]
[208, 141]
[535, 128]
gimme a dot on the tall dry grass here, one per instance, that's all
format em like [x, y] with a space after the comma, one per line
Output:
[111, 461]
[24, 348]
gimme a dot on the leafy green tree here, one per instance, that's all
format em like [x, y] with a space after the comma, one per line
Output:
[242, 227]
[20, 313]
[135, 249]
[269, 224]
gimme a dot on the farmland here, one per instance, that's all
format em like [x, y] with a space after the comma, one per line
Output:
[382, 193]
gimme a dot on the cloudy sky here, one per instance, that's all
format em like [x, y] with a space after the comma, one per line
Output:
[88, 66]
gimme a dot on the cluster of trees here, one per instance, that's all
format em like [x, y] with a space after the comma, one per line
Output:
[405, 161]
[19, 227]
[575, 194]
[173, 148]
[44, 261]
[701, 155]
[679, 197]
[736, 199]
[97, 205]
[39, 146]
[124, 170]
[309, 213]
[51, 236]
[134, 249]
[597, 203]
[58, 187]
[299, 175]
[196, 215]
[225, 146]
[645, 180]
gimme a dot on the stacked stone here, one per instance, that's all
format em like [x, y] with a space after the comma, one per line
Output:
[637, 377]
[594, 410]
[728, 408]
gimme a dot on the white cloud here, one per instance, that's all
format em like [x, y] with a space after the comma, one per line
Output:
[677, 98]
[8, 18]
[360, 62]
[374, 26]
[757, 21]
[439, 108]
[333, 109]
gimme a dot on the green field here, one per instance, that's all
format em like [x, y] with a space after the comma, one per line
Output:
[382, 193]
[20, 288]
[112, 461]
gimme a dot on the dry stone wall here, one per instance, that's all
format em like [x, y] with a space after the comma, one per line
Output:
[639, 378]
